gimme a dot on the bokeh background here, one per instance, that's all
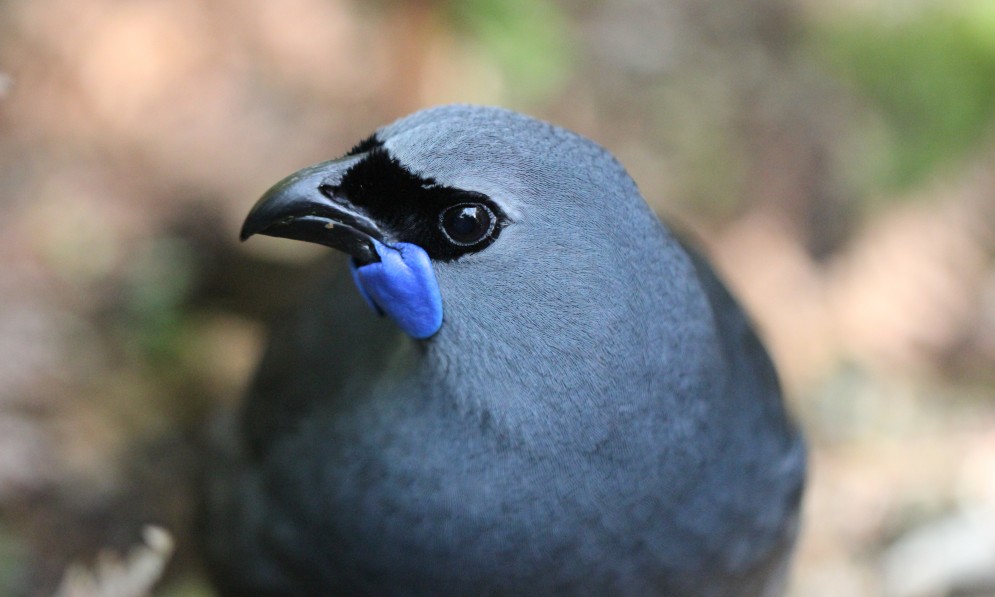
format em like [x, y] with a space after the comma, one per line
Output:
[836, 158]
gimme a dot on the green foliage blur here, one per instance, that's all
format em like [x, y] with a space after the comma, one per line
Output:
[527, 38]
[930, 77]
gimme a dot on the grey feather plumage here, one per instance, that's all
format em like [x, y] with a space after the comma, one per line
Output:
[595, 416]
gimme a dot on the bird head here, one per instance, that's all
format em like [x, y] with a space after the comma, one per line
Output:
[458, 215]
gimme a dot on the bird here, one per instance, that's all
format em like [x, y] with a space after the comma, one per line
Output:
[517, 381]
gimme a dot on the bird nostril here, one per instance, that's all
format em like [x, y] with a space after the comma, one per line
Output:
[328, 190]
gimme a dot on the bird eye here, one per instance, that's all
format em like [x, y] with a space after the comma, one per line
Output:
[467, 223]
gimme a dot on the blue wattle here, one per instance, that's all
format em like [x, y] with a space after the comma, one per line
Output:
[402, 285]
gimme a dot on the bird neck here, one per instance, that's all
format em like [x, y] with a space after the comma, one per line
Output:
[582, 360]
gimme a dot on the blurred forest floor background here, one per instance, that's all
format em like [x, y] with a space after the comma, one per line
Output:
[836, 157]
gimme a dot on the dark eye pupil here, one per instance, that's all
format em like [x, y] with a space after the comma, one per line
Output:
[467, 224]
[466, 221]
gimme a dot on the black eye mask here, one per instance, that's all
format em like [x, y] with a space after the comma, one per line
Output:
[417, 210]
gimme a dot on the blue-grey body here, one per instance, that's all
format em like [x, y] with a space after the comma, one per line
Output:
[594, 417]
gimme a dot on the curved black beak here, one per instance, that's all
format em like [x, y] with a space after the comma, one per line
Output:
[307, 206]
